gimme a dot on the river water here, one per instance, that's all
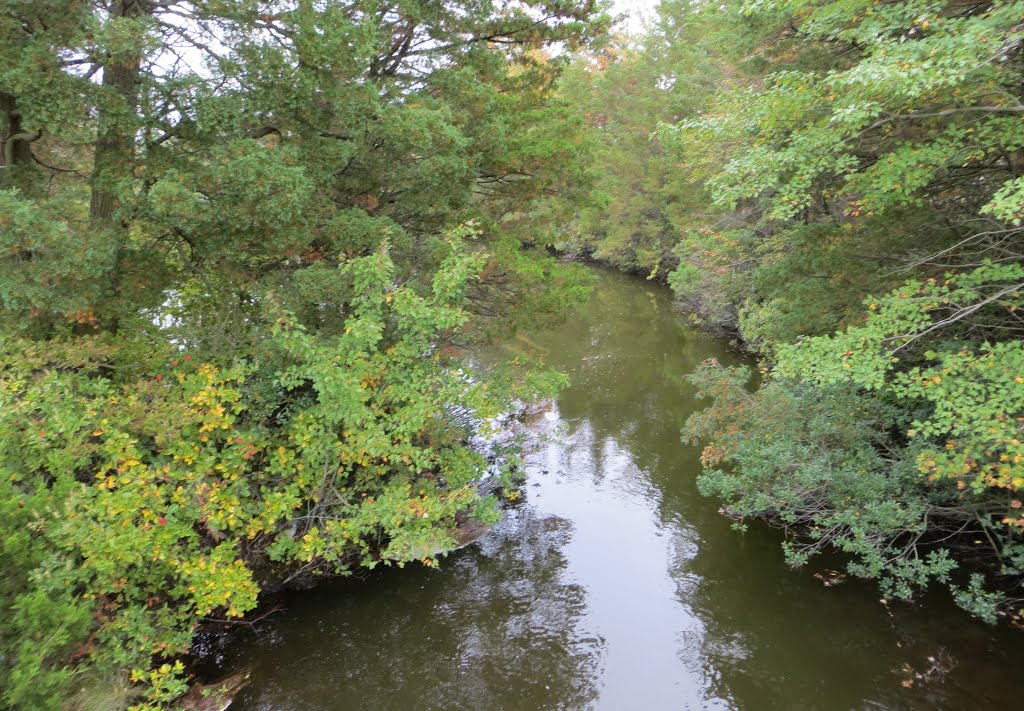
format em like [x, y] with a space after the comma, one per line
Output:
[614, 585]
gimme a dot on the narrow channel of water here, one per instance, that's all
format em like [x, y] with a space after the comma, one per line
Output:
[614, 585]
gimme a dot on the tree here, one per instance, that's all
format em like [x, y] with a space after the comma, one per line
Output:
[642, 201]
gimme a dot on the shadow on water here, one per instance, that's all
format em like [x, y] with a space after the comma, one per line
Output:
[615, 585]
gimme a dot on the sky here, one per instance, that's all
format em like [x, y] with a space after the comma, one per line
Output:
[635, 8]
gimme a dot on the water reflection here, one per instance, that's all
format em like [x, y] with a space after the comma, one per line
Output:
[499, 626]
[620, 553]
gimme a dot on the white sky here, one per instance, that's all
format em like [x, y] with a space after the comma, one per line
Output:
[635, 8]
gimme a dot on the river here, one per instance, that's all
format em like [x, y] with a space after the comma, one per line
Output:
[614, 584]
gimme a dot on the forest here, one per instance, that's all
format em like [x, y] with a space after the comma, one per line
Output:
[248, 247]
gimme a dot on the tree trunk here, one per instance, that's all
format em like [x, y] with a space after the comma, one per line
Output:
[115, 143]
[15, 144]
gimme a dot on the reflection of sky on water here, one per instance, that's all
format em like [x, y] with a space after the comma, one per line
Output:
[622, 557]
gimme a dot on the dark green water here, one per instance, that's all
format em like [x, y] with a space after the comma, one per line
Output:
[615, 585]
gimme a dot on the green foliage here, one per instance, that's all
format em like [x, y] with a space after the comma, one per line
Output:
[911, 97]
[820, 462]
[218, 169]
[47, 271]
[641, 201]
[971, 397]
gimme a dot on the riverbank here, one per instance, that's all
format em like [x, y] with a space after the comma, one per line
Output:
[613, 583]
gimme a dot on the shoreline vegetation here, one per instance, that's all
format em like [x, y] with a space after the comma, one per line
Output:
[248, 249]
[836, 188]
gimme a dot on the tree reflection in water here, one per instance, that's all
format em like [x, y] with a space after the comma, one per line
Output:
[498, 626]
